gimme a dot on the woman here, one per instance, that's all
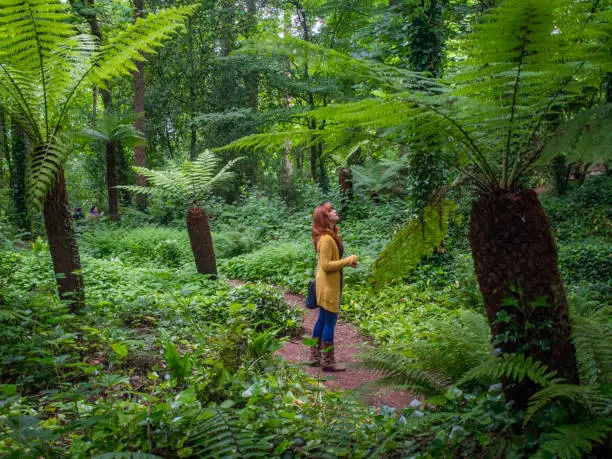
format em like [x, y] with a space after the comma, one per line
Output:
[329, 246]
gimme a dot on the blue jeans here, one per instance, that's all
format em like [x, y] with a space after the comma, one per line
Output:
[325, 326]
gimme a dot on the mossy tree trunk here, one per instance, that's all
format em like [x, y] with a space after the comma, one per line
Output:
[515, 259]
[63, 245]
[19, 147]
[201, 241]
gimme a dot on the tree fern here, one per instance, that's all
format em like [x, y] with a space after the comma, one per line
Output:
[514, 366]
[191, 180]
[115, 128]
[216, 433]
[44, 63]
[573, 441]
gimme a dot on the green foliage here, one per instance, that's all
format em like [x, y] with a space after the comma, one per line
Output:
[586, 260]
[45, 63]
[179, 367]
[437, 357]
[583, 137]
[513, 366]
[414, 241]
[288, 264]
[217, 434]
[193, 181]
[592, 340]
[575, 440]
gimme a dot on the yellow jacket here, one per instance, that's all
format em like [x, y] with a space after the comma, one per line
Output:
[328, 273]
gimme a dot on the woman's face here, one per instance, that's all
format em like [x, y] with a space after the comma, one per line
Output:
[333, 216]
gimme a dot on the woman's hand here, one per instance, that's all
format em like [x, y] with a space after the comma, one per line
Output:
[354, 261]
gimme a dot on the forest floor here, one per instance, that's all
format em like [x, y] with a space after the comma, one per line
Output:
[348, 344]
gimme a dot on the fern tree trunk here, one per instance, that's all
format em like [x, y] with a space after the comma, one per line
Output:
[515, 258]
[63, 245]
[201, 241]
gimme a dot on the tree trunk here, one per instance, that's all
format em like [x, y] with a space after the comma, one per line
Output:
[140, 155]
[63, 245]
[515, 258]
[252, 78]
[345, 180]
[111, 180]
[112, 148]
[20, 217]
[201, 241]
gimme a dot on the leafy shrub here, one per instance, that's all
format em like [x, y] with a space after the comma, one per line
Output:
[169, 247]
[231, 243]
[288, 264]
[586, 260]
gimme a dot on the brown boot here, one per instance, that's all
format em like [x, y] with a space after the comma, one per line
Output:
[315, 354]
[328, 359]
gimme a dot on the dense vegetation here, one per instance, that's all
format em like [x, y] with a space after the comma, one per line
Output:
[488, 302]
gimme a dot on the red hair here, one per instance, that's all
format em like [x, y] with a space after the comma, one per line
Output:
[321, 224]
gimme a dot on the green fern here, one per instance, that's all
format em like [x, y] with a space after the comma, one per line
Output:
[514, 366]
[397, 369]
[593, 344]
[191, 180]
[573, 441]
[216, 433]
[45, 63]
[413, 242]
[111, 128]
[592, 397]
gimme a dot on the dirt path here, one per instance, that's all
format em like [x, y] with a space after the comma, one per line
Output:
[348, 342]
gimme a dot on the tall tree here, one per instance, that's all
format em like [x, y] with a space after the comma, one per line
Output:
[140, 152]
[44, 65]
[193, 182]
[112, 149]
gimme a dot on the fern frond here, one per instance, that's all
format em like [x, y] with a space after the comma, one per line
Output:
[593, 344]
[573, 441]
[590, 396]
[218, 434]
[583, 138]
[128, 46]
[413, 242]
[191, 180]
[398, 369]
[514, 366]
[42, 165]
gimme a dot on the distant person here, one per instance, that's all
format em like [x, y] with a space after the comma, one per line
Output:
[328, 245]
[94, 212]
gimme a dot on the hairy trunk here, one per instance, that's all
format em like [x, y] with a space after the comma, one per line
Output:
[345, 180]
[515, 259]
[140, 155]
[63, 245]
[201, 241]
